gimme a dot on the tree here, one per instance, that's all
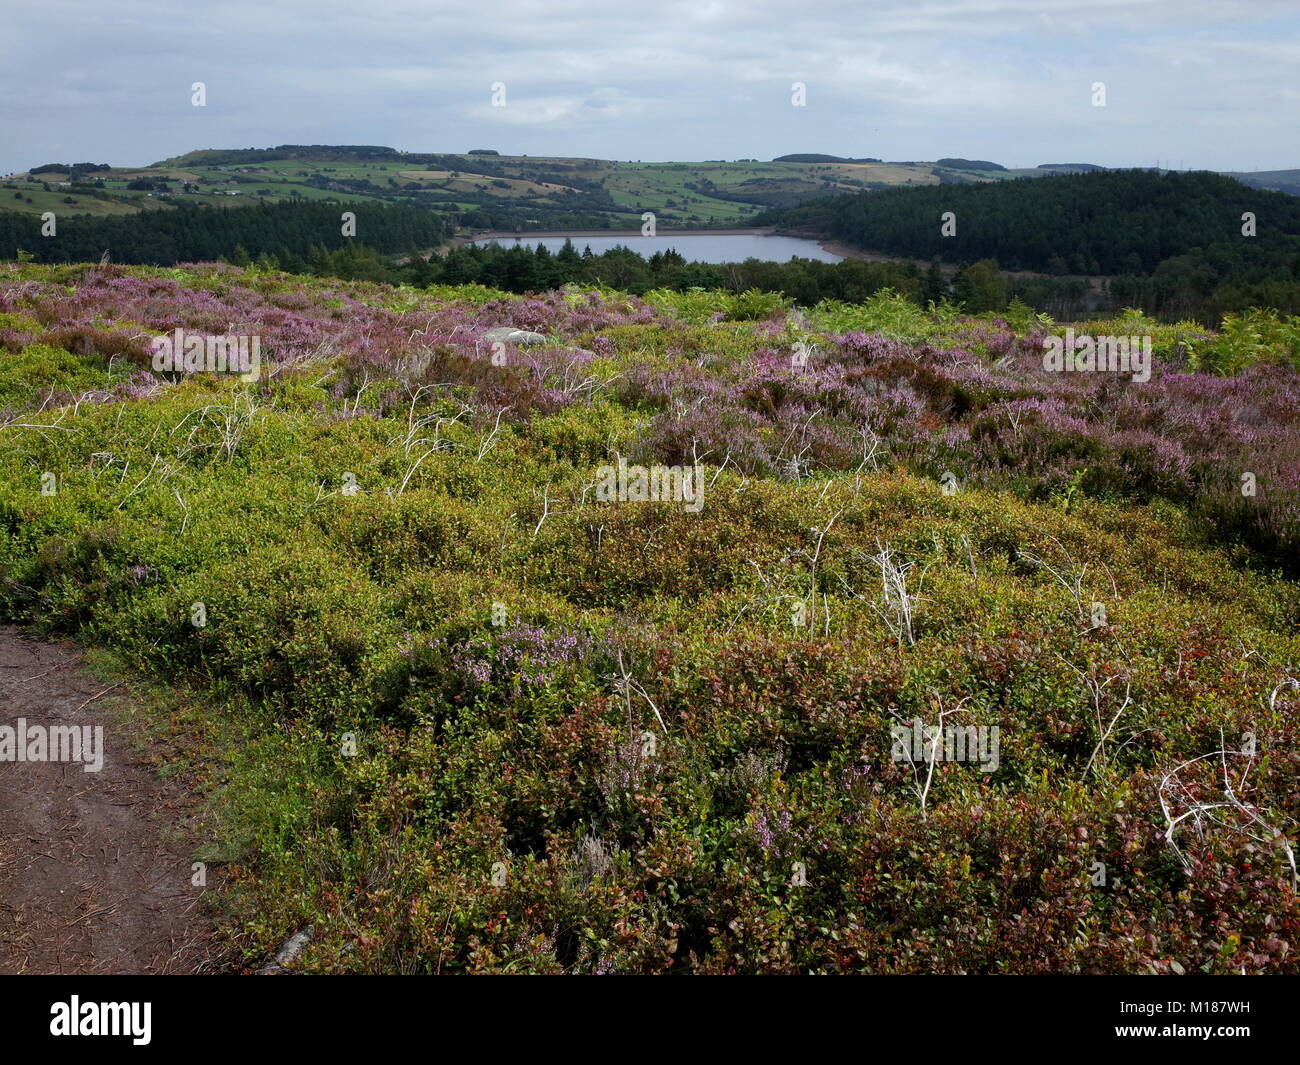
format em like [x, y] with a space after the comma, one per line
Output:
[936, 285]
[568, 255]
[979, 287]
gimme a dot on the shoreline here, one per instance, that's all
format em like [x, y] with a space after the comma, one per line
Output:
[530, 234]
[845, 251]
[832, 247]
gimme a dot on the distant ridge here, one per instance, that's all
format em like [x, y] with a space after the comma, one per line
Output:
[814, 157]
[1287, 181]
[968, 164]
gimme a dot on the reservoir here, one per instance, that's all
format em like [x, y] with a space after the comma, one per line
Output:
[693, 246]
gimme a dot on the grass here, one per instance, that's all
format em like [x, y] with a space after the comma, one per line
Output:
[635, 187]
[35, 200]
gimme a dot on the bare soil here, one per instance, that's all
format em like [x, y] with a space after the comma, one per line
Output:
[95, 868]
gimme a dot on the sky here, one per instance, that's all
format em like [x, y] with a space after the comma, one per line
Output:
[1196, 84]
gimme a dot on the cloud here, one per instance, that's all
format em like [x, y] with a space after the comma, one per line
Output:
[1207, 80]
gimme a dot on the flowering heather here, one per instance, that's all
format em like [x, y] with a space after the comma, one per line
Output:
[521, 656]
[973, 396]
[487, 706]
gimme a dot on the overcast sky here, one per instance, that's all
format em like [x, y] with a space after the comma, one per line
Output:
[1188, 83]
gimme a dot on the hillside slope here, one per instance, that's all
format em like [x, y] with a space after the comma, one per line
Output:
[495, 717]
[492, 191]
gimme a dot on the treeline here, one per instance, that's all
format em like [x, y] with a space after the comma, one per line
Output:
[234, 156]
[332, 153]
[74, 168]
[968, 164]
[1173, 242]
[1111, 222]
[1207, 283]
[190, 233]
[817, 157]
[521, 268]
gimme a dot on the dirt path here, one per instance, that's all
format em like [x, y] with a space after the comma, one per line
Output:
[95, 867]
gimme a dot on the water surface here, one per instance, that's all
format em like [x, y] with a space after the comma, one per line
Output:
[694, 247]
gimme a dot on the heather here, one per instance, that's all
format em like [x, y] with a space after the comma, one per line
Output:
[489, 723]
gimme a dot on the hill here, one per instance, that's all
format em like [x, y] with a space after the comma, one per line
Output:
[1183, 232]
[1287, 181]
[487, 191]
[968, 164]
[813, 157]
[483, 191]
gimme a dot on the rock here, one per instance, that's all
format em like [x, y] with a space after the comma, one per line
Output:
[506, 335]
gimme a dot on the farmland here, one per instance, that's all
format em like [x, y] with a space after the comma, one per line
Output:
[531, 191]
[617, 192]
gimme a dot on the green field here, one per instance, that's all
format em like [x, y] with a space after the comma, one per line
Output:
[502, 191]
[615, 192]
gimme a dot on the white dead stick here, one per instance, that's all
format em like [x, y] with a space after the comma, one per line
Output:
[288, 953]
